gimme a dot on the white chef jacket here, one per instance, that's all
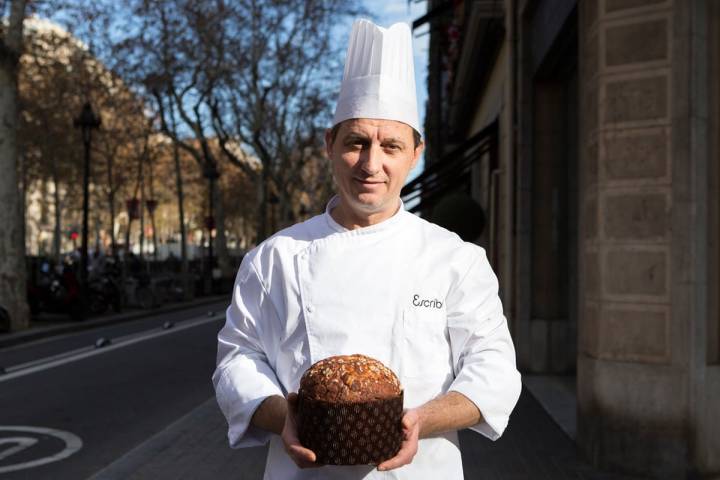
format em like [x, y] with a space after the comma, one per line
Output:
[404, 291]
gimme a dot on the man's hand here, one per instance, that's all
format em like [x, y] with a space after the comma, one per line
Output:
[303, 457]
[409, 446]
[451, 411]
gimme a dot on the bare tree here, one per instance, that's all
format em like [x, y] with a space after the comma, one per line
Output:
[178, 77]
[277, 96]
[255, 75]
[48, 79]
[12, 249]
[247, 84]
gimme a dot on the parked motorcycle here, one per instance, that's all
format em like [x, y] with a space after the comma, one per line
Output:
[57, 290]
[104, 289]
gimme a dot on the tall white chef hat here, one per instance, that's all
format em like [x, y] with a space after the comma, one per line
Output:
[379, 77]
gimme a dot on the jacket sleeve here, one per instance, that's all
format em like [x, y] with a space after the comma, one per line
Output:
[482, 349]
[244, 377]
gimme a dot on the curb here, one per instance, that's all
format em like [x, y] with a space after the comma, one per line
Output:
[12, 339]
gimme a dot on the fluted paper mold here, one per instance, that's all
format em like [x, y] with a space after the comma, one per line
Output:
[351, 433]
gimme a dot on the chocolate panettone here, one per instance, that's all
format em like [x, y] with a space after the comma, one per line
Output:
[350, 410]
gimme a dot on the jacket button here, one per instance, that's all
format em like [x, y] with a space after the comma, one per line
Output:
[309, 308]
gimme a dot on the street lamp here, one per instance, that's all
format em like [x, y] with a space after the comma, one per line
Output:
[87, 121]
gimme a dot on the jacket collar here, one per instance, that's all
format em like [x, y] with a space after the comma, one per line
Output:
[378, 227]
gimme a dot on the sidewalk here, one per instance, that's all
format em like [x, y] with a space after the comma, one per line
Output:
[533, 447]
[48, 328]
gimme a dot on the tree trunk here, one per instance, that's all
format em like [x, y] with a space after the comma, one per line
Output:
[184, 267]
[127, 235]
[142, 223]
[12, 248]
[57, 233]
[111, 205]
[221, 250]
[262, 230]
[151, 212]
[154, 235]
[285, 207]
[142, 211]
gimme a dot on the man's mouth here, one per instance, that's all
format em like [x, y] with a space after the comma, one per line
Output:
[367, 181]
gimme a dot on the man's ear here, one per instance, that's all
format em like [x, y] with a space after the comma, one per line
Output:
[328, 142]
[417, 154]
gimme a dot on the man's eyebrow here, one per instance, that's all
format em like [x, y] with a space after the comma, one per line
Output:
[395, 140]
[356, 136]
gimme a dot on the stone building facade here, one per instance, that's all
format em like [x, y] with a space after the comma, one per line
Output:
[604, 208]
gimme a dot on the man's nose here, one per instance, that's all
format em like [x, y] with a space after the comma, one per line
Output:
[372, 160]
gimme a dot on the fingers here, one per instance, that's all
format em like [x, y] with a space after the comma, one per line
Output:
[404, 456]
[303, 457]
[409, 446]
[409, 421]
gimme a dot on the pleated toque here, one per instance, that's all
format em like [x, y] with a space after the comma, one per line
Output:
[379, 77]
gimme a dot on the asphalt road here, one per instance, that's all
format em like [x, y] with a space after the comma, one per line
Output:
[97, 404]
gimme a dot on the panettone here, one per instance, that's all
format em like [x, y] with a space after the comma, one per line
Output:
[350, 410]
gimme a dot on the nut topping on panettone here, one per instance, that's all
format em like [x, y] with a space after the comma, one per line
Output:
[349, 379]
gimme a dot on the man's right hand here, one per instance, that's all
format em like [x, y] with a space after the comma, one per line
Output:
[303, 457]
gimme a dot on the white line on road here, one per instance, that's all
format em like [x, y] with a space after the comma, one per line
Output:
[84, 353]
[38, 361]
[72, 442]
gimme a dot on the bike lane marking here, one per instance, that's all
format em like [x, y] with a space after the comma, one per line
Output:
[51, 363]
[72, 442]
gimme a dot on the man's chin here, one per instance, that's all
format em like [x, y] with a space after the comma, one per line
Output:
[371, 204]
[368, 203]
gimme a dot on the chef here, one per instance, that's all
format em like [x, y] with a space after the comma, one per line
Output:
[369, 277]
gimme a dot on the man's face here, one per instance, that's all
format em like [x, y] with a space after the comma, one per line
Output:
[370, 160]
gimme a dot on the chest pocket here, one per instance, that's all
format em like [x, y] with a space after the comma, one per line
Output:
[426, 343]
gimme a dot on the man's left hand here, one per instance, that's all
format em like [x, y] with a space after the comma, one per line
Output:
[409, 446]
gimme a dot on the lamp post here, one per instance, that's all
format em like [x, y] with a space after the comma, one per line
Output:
[87, 121]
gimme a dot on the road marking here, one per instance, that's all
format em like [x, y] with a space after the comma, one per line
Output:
[21, 443]
[51, 362]
[38, 361]
[72, 444]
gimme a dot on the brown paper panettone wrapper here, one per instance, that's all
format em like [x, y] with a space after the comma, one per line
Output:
[352, 433]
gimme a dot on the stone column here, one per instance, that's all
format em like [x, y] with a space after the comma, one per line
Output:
[642, 280]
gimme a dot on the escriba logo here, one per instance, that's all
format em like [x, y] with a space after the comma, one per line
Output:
[426, 302]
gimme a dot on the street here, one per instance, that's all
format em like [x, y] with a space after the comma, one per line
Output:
[142, 407]
[111, 400]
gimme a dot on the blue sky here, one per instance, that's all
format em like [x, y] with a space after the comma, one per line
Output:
[387, 12]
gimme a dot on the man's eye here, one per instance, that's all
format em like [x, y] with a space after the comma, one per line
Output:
[356, 143]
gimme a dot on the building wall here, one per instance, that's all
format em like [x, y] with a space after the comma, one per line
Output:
[544, 184]
[647, 267]
[491, 106]
[492, 100]
[644, 383]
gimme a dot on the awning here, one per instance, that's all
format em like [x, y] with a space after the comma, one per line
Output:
[451, 171]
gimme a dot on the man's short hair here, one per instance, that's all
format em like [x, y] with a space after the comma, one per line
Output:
[417, 139]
